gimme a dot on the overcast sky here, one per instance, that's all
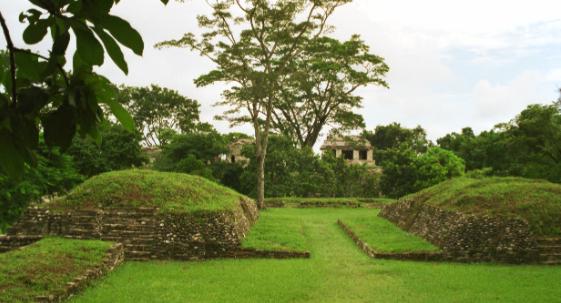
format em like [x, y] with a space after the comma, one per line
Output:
[453, 63]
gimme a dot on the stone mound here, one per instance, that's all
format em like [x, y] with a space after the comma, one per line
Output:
[486, 219]
[155, 215]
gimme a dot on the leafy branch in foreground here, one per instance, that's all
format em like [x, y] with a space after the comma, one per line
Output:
[37, 93]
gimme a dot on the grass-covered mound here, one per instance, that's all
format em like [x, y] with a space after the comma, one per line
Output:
[537, 201]
[45, 267]
[170, 192]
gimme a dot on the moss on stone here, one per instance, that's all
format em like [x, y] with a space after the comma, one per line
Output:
[536, 201]
[170, 192]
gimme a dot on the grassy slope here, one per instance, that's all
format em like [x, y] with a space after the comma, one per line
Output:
[384, 236]
[46, 266]
[537, 201]
[337, 272]
[171, 192]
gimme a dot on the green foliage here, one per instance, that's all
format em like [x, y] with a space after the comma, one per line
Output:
[437, 165]
[170, 192]
[119, 149]
[320, 86]
[406, 172]
[200, 154]
[292, 171]
[45, 267]
[528, 146]
[537, 201]
[289, 171]
[54, 173]
[37, 92]
[394, 136]
[158, 110]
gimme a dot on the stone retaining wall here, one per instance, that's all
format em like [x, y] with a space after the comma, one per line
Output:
[373, 253]
[8, 243]
[467, 237]
[145, 233]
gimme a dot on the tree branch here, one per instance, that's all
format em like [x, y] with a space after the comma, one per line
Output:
[11, 50]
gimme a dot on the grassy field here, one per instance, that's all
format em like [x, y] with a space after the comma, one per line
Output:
[170, 192]
[537, 201]
[46, 266]
[337, 272]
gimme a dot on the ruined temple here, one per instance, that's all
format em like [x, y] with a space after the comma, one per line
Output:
[353, 149]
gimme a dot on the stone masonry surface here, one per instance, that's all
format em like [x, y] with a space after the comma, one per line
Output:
[474, 238]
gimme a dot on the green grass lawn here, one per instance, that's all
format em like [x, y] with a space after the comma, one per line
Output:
[46, 266]
[337, 272]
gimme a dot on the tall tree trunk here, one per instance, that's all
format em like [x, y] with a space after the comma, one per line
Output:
[261, 143]
[260, 154]
[261, 181]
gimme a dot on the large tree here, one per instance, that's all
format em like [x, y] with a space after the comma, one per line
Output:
[156, 109]
[253, 44]
[321, 88]
[38, 92]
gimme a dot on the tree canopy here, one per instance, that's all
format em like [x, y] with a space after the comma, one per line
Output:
[528, 146]
[253, 44]
[319, 91]
[158, 109]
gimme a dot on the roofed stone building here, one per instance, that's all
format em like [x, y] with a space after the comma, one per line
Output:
[354, 149]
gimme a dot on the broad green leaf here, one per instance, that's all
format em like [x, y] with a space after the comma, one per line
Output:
[124, 33]
[105, 91]
[87, 46]
[26, 131]
[31, 100]
[97, 7]
[28, 66]
[61, 44]
[60, 127]
[113, 50]
[11, 161]
[35, 32]
[40, 3]
[122, 115]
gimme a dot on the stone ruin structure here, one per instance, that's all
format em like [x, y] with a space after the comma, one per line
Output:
[353, 149]
[145, 233]
[474, 238]
[235, 151]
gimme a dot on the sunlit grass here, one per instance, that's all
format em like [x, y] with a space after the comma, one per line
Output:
[337, 272]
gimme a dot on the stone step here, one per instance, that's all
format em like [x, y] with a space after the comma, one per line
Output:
[135, 254]
[549, 249]
[549, 241]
